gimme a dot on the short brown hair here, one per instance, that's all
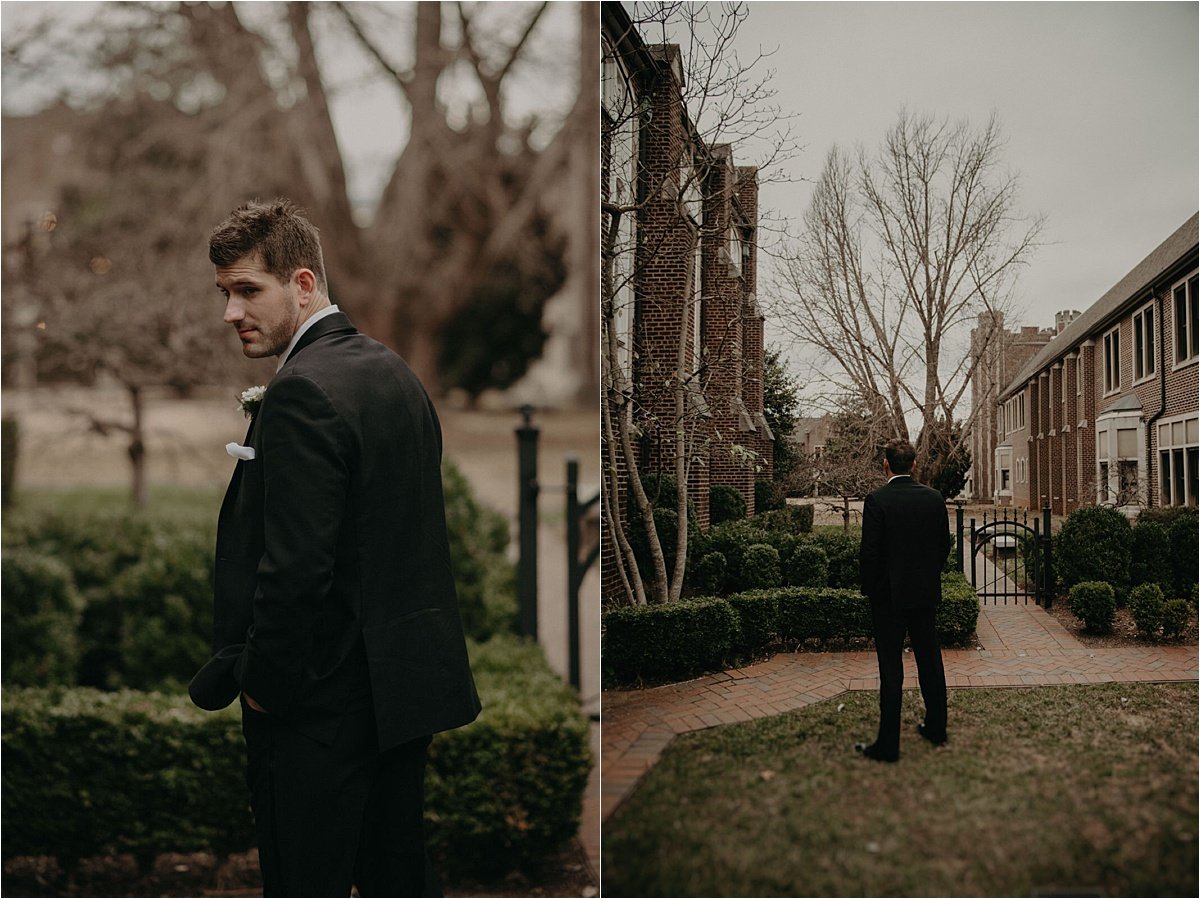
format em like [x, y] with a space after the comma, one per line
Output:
[900, 456]
[277, 231]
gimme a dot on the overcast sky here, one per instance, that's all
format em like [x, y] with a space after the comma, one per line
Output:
[1098, 102]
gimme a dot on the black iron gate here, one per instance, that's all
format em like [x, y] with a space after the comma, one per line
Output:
[1010, 558]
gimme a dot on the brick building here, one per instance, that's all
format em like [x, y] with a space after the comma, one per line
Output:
[1106, 412]
[999, 354]
[684, 334]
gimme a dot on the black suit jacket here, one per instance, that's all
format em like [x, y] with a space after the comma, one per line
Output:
[333, 565]
[905, 541]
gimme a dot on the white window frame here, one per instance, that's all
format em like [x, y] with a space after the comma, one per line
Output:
[1189, 287]
[1145, 360]
[1107, 427]
[1110, 346]
[1004, 464]
[1168, 447]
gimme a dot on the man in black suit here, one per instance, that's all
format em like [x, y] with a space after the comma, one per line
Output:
[335, 613]
[905, 541]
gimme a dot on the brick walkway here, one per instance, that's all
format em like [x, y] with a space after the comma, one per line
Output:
[1017, 645]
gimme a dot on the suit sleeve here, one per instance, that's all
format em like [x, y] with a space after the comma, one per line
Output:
[305, 474]
[870, 553]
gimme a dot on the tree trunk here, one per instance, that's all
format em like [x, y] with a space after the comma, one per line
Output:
[137, 449]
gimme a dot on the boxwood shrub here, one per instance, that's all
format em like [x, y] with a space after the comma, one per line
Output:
[725, 503]
[39, 618]
[808, 566]
[89, 773]
[760, 566]
[788, 519]
[144, 584]
[1150, 554]
[1095, 544]
[1095, 604]
[758, 619]
[680, 639]
[841, 550]
[1146, 605]
[672, 639]
[1175, 617]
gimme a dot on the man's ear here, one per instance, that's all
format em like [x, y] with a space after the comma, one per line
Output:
[306, 282]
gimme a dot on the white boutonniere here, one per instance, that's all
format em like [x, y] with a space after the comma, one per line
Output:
[251, 399]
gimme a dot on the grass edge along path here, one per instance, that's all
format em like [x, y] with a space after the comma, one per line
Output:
[1082, 788]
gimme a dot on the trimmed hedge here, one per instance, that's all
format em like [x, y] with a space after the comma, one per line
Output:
[841, 551]
[760, 566]
[38, 620]
[89, 773]
[686, 637]
[669, 639]
[1095, 604]
[1146, 605]
[1175, 617]
[1151, 554]
[1095, 544]
[725, 503]
[808, 566]
[788, 519]
[146, 591]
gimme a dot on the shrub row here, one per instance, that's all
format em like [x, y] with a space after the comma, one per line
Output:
[89, 773]
[674, 640]
[769, 551]
[1098, 544]
[115, 600]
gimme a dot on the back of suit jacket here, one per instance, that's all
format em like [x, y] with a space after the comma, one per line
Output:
[333, 559]
[906, 538]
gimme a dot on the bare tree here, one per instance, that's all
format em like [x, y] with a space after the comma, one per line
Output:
[465, 203]
[899, 254]
[703, 100]
[188, 111]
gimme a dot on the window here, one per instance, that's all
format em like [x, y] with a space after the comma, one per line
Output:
[1112, 361]
[1004, 470]
[1178, 462]
[1187, 321]
[1143, 343]
[735, 251]
[1120, 440]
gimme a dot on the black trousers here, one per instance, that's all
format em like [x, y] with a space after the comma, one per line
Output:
[329, 817]
[890, 626]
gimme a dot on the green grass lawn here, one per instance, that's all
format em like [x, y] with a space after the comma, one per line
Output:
[167, 501]
[1069, 788]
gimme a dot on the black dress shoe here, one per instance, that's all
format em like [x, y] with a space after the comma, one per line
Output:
[872, 753]
[939, 740]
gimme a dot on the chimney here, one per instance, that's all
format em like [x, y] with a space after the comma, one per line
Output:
[1064, 318]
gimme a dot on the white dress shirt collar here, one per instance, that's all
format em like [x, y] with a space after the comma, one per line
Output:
[893, 477]
[316, 317]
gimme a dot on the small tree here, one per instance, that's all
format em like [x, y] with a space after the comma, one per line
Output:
[948, 460]
[781, 404]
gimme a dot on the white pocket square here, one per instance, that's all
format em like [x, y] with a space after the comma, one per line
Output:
[245, 453]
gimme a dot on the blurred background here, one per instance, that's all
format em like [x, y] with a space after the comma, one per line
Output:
[450, 160]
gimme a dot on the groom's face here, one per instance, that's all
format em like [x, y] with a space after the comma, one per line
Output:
[264, 310]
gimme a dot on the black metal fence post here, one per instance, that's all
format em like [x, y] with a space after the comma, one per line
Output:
[1047, 556]
[973, 582]
[527, 521]
[577, 568]
[958, 531]
[572, 567]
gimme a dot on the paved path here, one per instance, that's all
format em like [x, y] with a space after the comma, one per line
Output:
[1018, 645]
